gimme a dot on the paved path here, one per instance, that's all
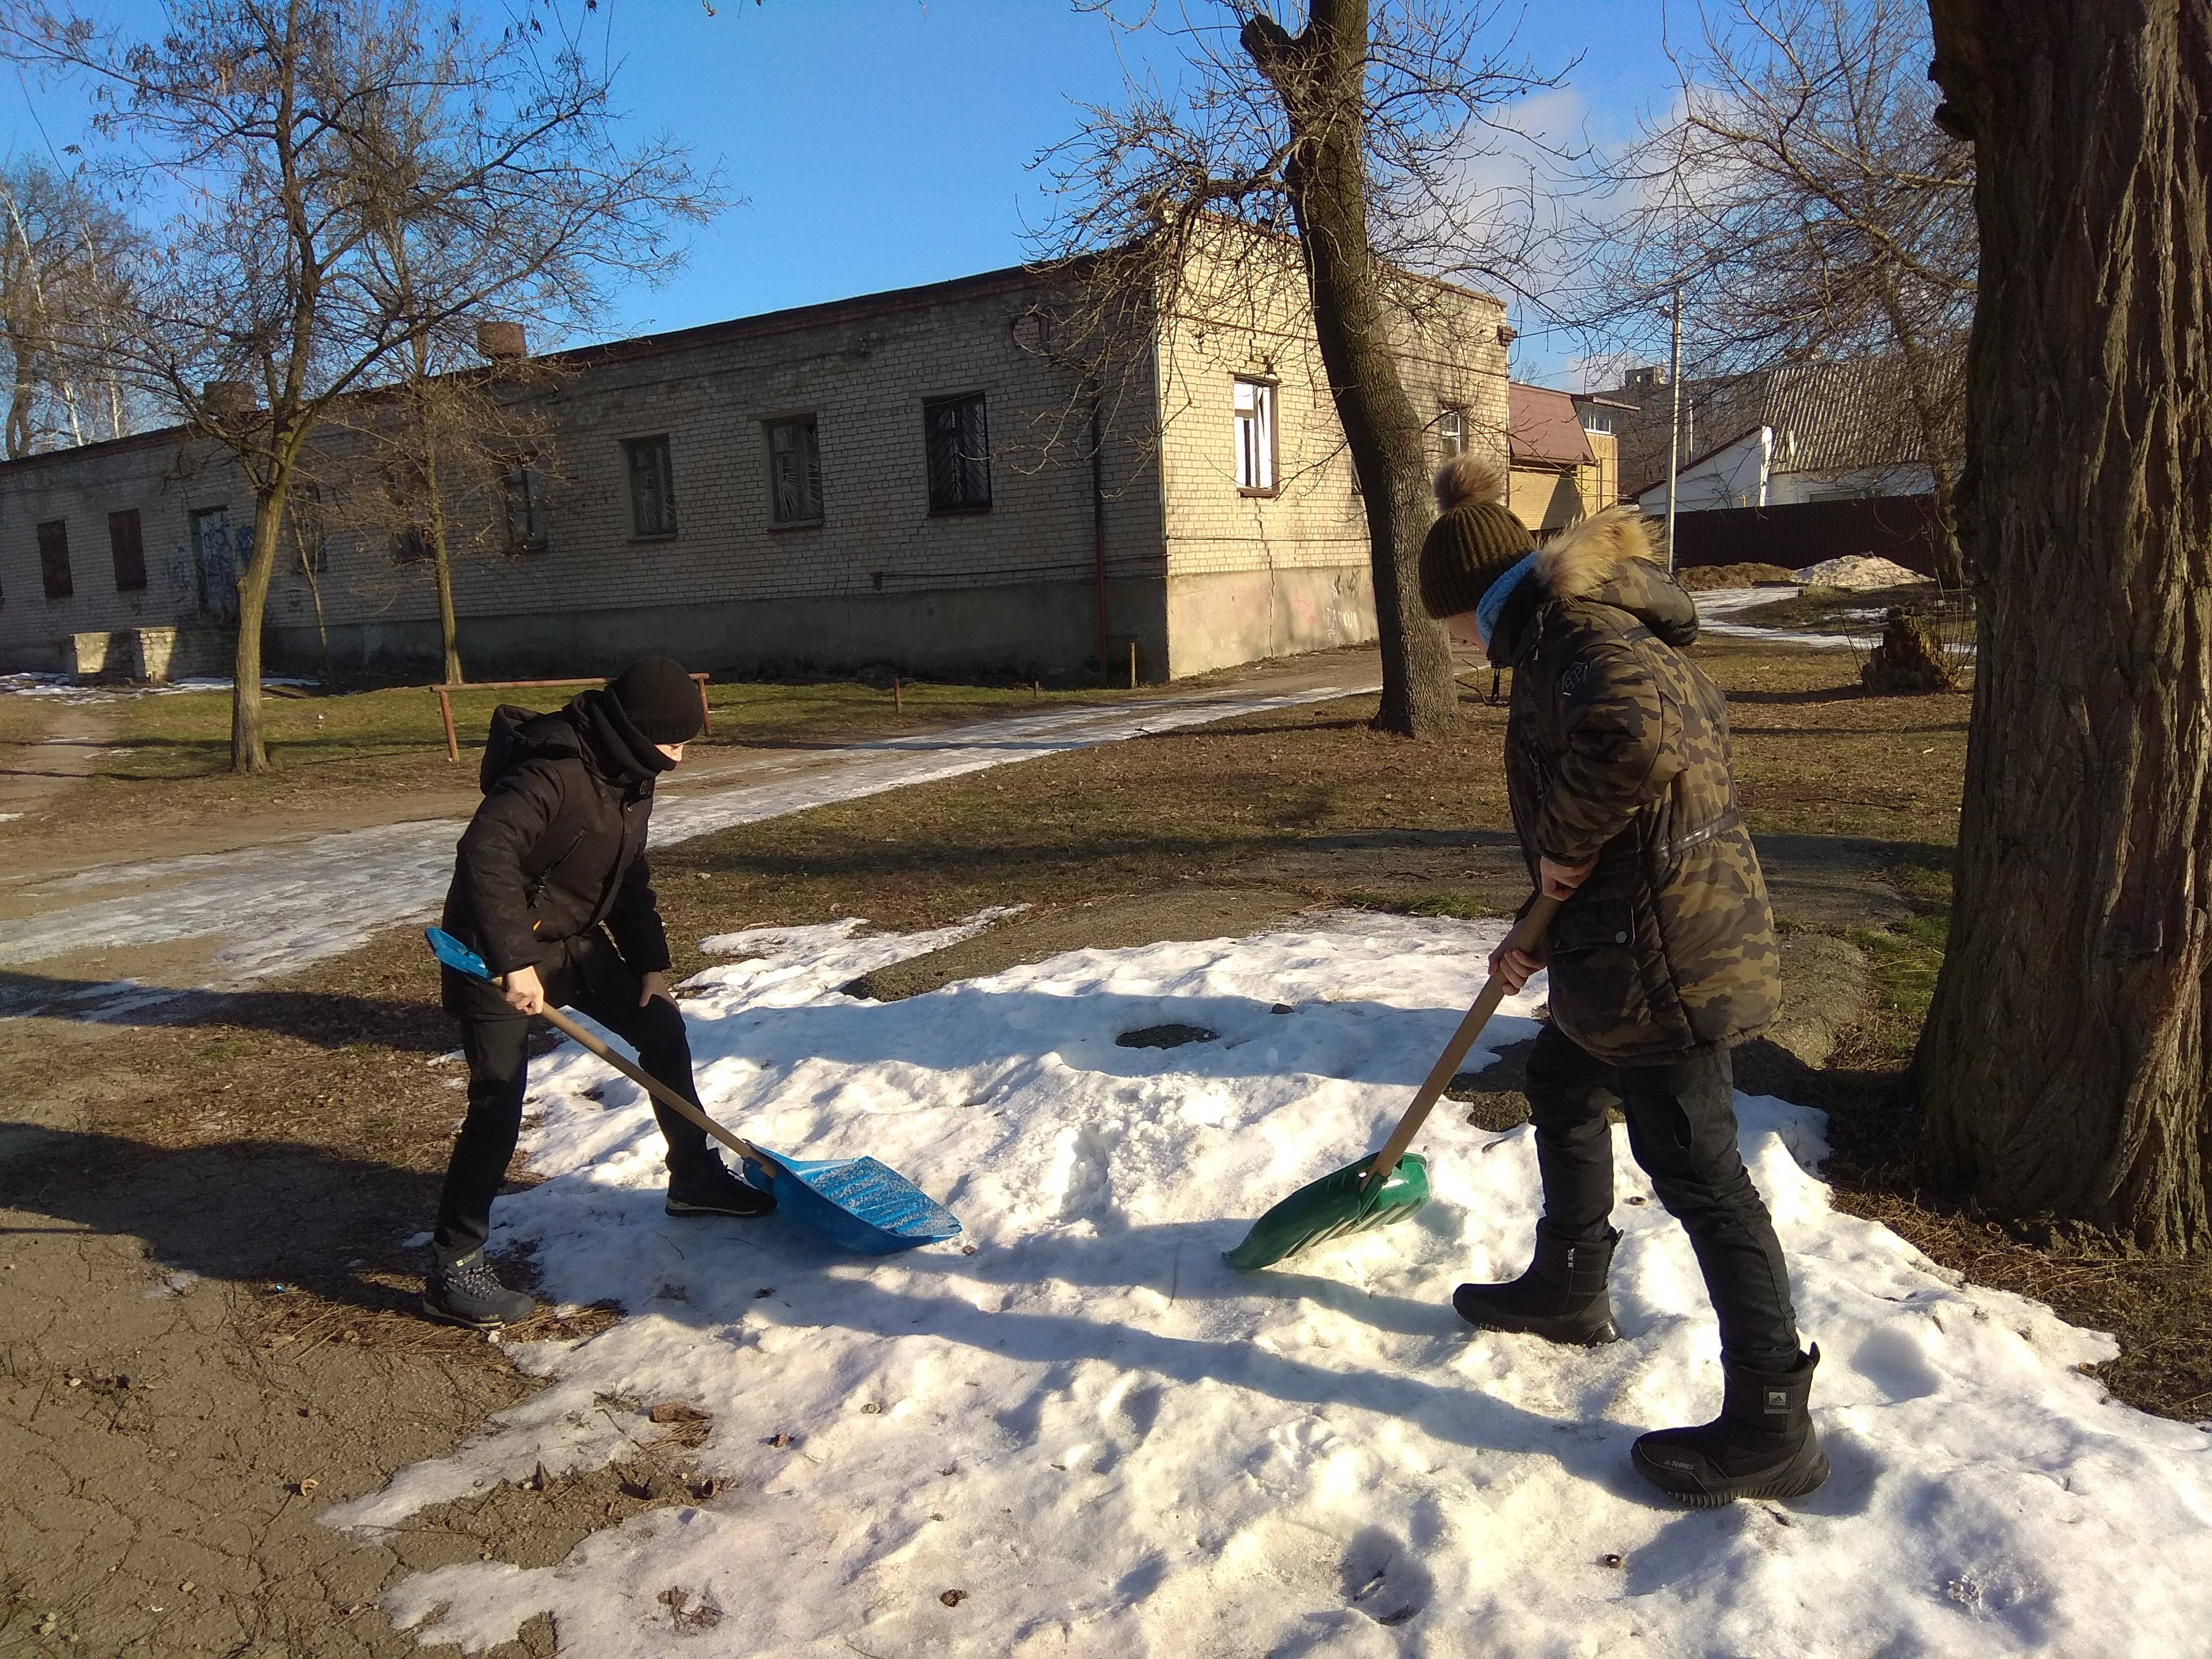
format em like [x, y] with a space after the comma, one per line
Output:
[269, 911]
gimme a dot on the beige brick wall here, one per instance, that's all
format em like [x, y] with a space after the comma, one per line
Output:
[862, 372]
[863, 369]
[1252, 321]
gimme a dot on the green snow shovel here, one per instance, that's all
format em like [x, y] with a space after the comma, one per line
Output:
[1393, 1183]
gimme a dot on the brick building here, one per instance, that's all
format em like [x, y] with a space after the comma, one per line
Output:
[907, 478]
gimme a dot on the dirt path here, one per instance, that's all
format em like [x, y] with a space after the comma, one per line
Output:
[38, 769]
[273, 908]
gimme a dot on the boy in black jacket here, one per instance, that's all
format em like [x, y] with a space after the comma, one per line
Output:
[551, 888]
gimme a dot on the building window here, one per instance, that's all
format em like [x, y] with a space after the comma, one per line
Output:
[959, 454]
[411, 546]
[128, 546]
[794, 471]
[214, 561]
[53, 559]
[1451, 432]
[1597, 420]
[1255, 437]
[652, 487]
[525, 511]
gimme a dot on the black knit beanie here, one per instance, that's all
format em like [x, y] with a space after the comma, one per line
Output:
[660, 699]
[1467, 549]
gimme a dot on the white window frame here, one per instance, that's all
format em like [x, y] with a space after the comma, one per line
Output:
[1452, 430]
[1253, 416]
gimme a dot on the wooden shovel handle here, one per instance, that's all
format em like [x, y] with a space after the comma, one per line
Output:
[1526, 934]
[659, 1091]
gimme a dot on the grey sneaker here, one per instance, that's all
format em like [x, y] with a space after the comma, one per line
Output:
[462, 1291]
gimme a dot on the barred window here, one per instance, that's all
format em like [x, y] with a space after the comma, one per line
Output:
[794, 465]
[652, 487]
[959, 454]
[525, 511]
[127, 544]
[53, 559]
[1255, 419]
[214, 561]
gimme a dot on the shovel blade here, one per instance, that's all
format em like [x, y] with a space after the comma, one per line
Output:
[858, 1202]
[1333, 1207]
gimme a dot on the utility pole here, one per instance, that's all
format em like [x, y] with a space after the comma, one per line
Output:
[1673, 423]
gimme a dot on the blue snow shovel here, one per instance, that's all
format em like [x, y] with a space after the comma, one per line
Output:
[861, 1204]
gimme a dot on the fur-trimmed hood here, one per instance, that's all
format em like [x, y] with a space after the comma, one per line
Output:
[1612, 558]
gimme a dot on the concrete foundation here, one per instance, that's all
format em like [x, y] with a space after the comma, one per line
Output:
[1216, 621]
[159, 654]
[1049, 629]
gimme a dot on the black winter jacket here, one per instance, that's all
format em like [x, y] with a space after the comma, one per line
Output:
[557, 850]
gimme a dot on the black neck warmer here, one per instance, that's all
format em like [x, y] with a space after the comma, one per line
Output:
[617, 751]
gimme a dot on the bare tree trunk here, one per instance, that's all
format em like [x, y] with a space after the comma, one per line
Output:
[2064, 1065]
[322, 627]
[1317, 74]
[247, 752]
[448, 629]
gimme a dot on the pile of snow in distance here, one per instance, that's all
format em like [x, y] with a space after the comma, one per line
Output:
[1856, 570]
[1113, 1444]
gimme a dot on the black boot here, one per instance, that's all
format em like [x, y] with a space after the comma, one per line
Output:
[708, 1188]
[462, 1289]
[1560, 1299]
[1761, 1445]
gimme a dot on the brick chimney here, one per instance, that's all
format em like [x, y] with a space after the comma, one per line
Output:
[499, 341]
[228, 400]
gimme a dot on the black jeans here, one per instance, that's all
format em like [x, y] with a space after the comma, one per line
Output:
[588, 975]
[1682, 1128]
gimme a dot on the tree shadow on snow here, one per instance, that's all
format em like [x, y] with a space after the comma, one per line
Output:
[818, 1287]
[1368, 1042]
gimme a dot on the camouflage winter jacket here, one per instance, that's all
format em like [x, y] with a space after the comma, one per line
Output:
[1617, 745]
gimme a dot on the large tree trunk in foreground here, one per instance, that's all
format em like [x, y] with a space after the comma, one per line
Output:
[2062, 1067]
[1317, 74]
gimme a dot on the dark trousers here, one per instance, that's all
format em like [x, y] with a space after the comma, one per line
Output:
[591, 978]
[1682, 1128]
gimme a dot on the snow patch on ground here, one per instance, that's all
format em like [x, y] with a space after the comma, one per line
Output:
[68, 687]
[1719, 607]
[1857, 570]
[1115, 1444]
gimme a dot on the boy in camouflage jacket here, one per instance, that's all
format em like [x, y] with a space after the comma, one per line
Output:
[1660, 957]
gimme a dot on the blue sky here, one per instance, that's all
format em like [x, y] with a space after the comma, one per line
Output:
[878, 143]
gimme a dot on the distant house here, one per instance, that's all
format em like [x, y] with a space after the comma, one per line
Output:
[914, 479]
[1565, 460]
[1802, 432]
